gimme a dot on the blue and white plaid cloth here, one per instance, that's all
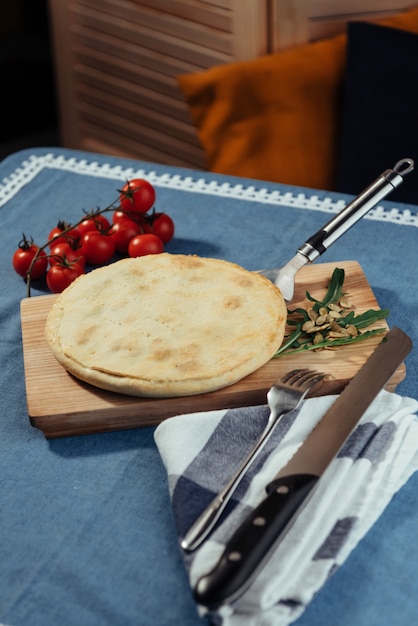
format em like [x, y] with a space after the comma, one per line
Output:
[201, 451]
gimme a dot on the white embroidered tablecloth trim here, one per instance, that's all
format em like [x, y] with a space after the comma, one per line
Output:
[33, 165]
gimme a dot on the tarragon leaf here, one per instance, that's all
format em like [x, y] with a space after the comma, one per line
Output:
[334, 293]
[364, 319]
[343, 341]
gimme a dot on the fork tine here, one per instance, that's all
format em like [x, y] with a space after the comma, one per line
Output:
[289, 376]
[302, 378]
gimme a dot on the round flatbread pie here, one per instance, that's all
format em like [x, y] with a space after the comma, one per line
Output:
[166, 325]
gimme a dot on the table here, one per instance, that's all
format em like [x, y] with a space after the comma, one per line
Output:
[87, 533]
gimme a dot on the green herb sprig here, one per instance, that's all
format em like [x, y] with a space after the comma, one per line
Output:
[329, 323]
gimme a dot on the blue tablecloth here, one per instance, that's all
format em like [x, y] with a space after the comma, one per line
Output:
[86, 529]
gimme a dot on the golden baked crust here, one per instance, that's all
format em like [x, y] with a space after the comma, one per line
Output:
[166, 325]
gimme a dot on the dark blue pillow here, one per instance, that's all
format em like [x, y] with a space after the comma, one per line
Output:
[380, 109]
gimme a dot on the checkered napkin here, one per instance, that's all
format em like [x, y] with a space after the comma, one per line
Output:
[201, 451]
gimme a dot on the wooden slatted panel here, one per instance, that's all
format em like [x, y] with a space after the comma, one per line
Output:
[298, 21]
[117, 62]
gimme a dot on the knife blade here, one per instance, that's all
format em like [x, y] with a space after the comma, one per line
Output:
[253, 542]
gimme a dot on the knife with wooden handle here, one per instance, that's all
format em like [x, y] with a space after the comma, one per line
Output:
[253, 542]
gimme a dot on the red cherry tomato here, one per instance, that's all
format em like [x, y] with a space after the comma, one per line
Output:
[97, 247]
[103, 221]
[59, 277]
[57, 237]
[119, 215]
[122, 232]
[137, 195]
[86, 225]
[22, 259]
[145, 244]
[67, 252]
[140, 218]
[163, 227]
[93, 222]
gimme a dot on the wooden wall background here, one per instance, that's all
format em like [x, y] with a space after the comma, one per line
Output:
[116, 62]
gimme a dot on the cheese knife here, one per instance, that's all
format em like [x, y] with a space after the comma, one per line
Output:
[254, 541]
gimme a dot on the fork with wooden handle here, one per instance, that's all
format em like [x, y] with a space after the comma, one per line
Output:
[283, 397]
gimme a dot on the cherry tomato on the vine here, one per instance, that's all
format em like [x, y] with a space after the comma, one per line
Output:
[122, 232]
[119, 215]
[163, 227]
[57, 237]
[22, 259]
[67, 251]
[137, 195]
[98, 248]
[133, 229]
[60, 276]
[102, 220]
[85, 226]
[141, 219]
[145, 244]
[93, 222]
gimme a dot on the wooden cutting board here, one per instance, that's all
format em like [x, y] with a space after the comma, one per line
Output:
[61, 405]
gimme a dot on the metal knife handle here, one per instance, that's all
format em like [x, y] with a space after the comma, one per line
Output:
[253, 542]
[355, 210]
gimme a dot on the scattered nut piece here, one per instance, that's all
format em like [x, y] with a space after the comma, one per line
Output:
[352, 330]
[323, 326]
[334, 307]
[334, 314]
[317, 339]
[313, 315]
[308, 326]
[309, 331]
[321, 319]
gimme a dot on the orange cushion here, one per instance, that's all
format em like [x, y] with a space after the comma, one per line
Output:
[277, 117]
